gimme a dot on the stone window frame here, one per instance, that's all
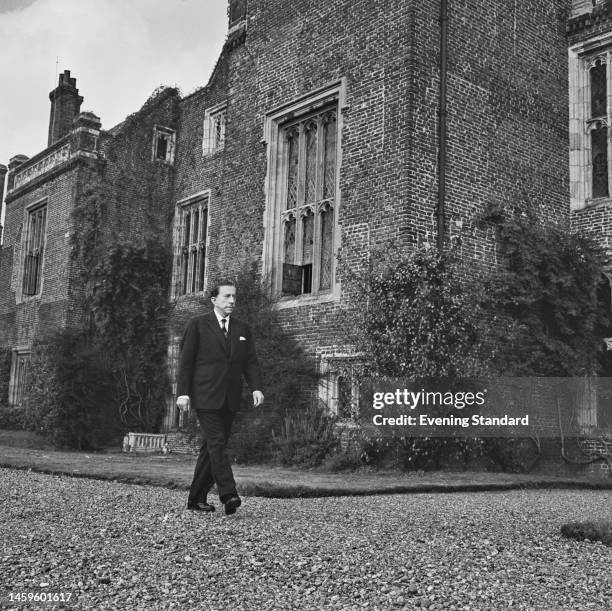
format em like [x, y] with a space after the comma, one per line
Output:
[583, 57]
[29, 211]
[198, 245]
[214, 129]
[333, 369]
[276, 121]
[168, 136]
[20, 362]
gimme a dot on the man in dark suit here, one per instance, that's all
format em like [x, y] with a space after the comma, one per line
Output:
[216, 351]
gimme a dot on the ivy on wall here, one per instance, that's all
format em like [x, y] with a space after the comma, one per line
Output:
[547, 299]
[420, 315]
[70, 392]
[415, 318]
[129, 307]
[411, 316]
[121, 263]
[5, 372]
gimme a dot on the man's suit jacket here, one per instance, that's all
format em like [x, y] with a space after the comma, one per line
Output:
[211, 368]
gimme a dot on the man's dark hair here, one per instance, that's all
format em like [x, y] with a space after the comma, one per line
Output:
[223, 282]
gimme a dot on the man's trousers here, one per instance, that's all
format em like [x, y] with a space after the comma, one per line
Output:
[213, 465]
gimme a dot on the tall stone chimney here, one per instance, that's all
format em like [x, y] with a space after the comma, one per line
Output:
[65, 106]
[14, 163]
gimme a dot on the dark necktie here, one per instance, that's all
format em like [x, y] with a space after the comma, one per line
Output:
[223, 327]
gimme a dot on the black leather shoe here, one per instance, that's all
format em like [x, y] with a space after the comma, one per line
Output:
[201, 506]
[232, 504]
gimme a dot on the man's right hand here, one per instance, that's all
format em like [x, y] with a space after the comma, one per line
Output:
[183, 403]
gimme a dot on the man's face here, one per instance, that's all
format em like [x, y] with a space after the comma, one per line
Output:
[225, 301]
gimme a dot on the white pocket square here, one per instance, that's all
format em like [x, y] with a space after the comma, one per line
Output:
[242, 339]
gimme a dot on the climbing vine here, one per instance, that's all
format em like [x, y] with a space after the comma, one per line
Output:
[121, 265]
[129, 308]
[416, 318]
[547, 299]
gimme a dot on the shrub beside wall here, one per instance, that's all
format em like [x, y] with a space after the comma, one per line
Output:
[545, 300]
[70, 393]
[540, 313]
[130, 310]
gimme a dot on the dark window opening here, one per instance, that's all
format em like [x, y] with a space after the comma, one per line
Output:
[194, 225]
[162, 147]
[297, 279]
[307, 278]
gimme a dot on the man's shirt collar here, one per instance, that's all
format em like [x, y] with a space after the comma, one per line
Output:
[220, 318]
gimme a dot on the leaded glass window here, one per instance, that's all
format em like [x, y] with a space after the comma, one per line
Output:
[309, 153]
[598, 89]
[290, 239]
[34, 249]
[292, 172]
[193, 219]
[598, 126]
[327, 228]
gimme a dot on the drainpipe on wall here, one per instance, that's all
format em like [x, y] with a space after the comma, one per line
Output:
[442, 123]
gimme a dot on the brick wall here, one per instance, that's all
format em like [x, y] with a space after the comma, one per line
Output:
[196, 172]
[138, 194]
[21, 320]
[594, 220]
[507, 127]
[507, 142]
[137, 186]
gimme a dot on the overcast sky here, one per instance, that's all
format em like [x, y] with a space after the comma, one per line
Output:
[118, 50]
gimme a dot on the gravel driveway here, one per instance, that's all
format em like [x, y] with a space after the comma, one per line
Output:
[116, 546]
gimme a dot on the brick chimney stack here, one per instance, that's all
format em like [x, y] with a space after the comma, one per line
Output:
[65, 106]
[14, 163]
